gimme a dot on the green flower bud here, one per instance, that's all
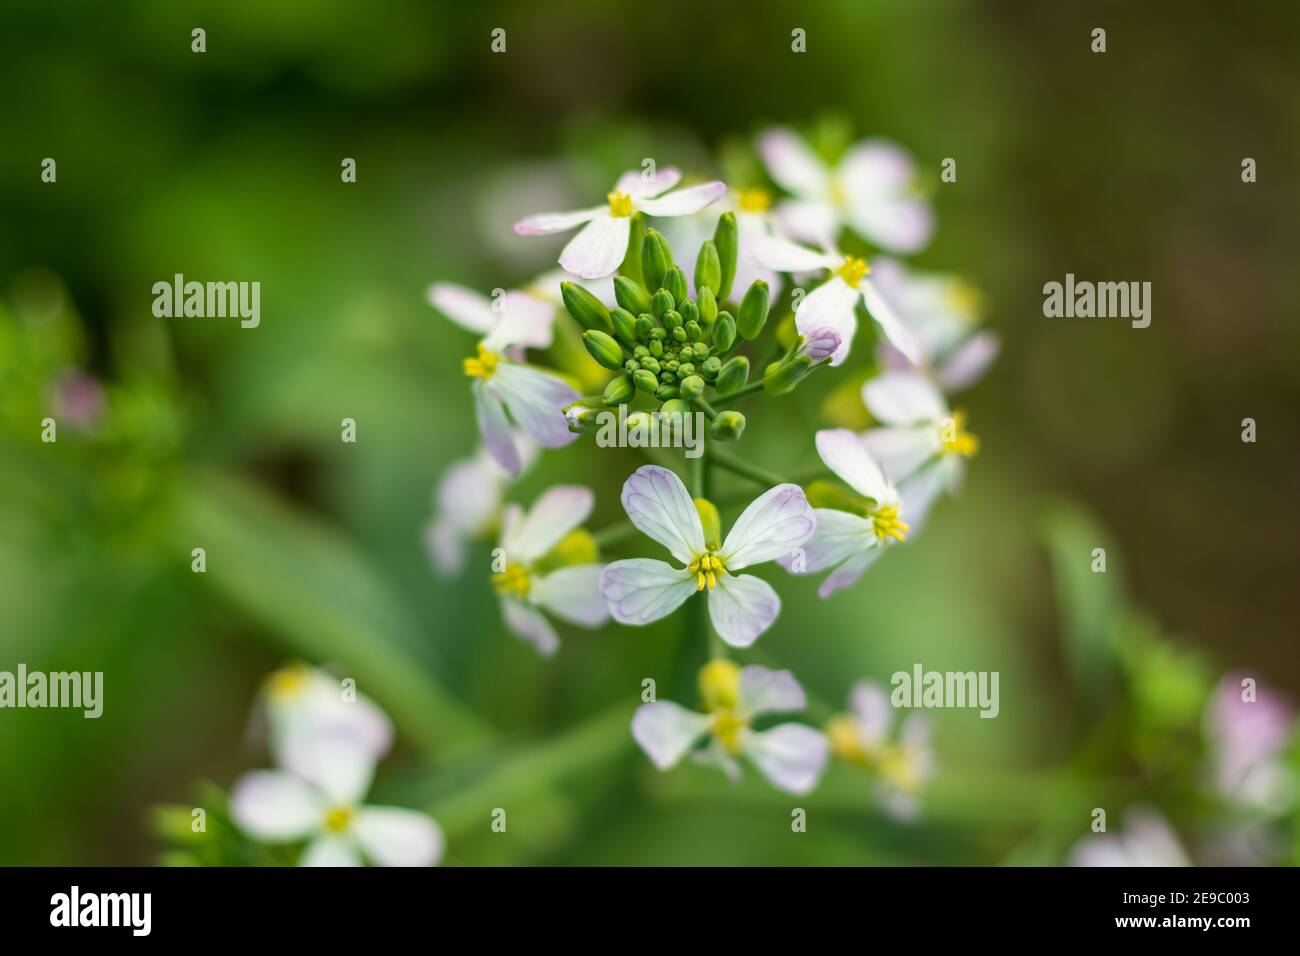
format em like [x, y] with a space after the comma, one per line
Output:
[658, 333]
[694, 332]
[674, 407]
[686, 368]
[645, 324]
[728, 426]
[700, 351]
[692, 387]
[656, 259]
[661, 302]
[724, 332]
[643, 423]
[827, 494]
[690, 312]
[711, 367]
[656, 346]
[618, 391]
[650, 365]
[708, 306]
[630, 295]
[665, 392]
[586, 309]
[631, 365]
[603, 349]
[624, 323]
[672, 365]
[640, 352]
[708, 270]
[679, 334]
[645, 381]
[710, 522]
[667, 378]
[726, 239]
[675, 282]
[582, 419]
[753, 310]
[671, 319]
[782, 377]
[733, 375]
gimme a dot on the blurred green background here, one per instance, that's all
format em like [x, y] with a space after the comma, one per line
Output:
[225, 165]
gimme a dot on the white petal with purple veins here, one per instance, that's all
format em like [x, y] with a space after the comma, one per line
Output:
[773, 525]
[742, 607]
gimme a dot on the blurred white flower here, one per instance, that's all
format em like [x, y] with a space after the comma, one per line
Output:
[922, 445]
[850, 541]
[791, 756]
[467, 504]
[687, 234]
[871, 191]
[903, 766]
[642, 590]
[512, 319]
[599, 248]
[1247, 740]
[833, 304]
[1145, 840]
[548, 566]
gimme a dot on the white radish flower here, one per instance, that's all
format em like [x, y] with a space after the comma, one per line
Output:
[791, 756]
[853, 534]
[742, 607]
[547, 287]
[503, 384]
[903, 764]
[833, 304]
[324, 808]
[871, 191]
[307, 708]
[599, 248]
[943, 314]
[922, 445]
[549, 567]
[1145, 840]
[467, 504]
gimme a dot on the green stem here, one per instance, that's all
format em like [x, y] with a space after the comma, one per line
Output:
[709, 411]
[741, 392]
[744, 469]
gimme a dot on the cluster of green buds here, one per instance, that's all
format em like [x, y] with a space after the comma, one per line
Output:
[671, 351]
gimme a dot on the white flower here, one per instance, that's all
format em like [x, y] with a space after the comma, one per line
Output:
[943, 314]
[513, 319]
[871, 191]
[467, 504]
[687, 234]
[922, 446]
[547, 286]
[850, 541]
[791, 756]
[323, 807]
[1248, 740]
[1146, 840]
[528, 586]
[903, 766]
[742, 607]
[311, 715]
[601, 245]
[833, 304]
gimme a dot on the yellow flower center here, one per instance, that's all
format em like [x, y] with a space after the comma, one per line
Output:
[484, 366]
[964, 299]
[720, 684]
[887, 524]
[954, 437]
[620, 204]
[338, 819]
[729, 728]
[512, 582]
[853, 270]
[288, 682]
[842, 734]
[706, 568]
[753, 199]
[898, 766]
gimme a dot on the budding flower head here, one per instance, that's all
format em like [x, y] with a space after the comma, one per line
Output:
[728, 426]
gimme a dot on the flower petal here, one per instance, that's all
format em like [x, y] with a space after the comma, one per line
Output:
[791, 756]
[637, 185]
[661, 508]
[898, 334]
[523, 320]
[271, 805]
[901, 451]
[572, 594]
[849, 572]
[968, 362]
[774, 524]
[467, 308]
[536, 402]
[766, 691]
[782, 255]
[684, 202]
[531, 625]
[641, 590]
[792, 164]
[546, 223]
[494, 429]
[920, 490]
[838, 535]
[335, 758]
[811, 220]
[742, 607]
[873, 711]
[393, 836]
[330, 851]
[904, 398]
[558, 511]
[877, 177]
[844, 453]
[599, 248]
[831, 305]
[666, 731]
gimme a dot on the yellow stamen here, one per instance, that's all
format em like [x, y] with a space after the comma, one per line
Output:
[288, 682]
[954, 437]
[753, 199]
[898, 766]
[720, 684]
[484, 366]
[887, 524]
[338, 819]
[706, 568]
[512, 582]
[620, 204]
[966, 300]
[853, 271]
[729, 728]
[842, 733]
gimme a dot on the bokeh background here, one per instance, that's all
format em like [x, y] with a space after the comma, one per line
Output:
[225, 165]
